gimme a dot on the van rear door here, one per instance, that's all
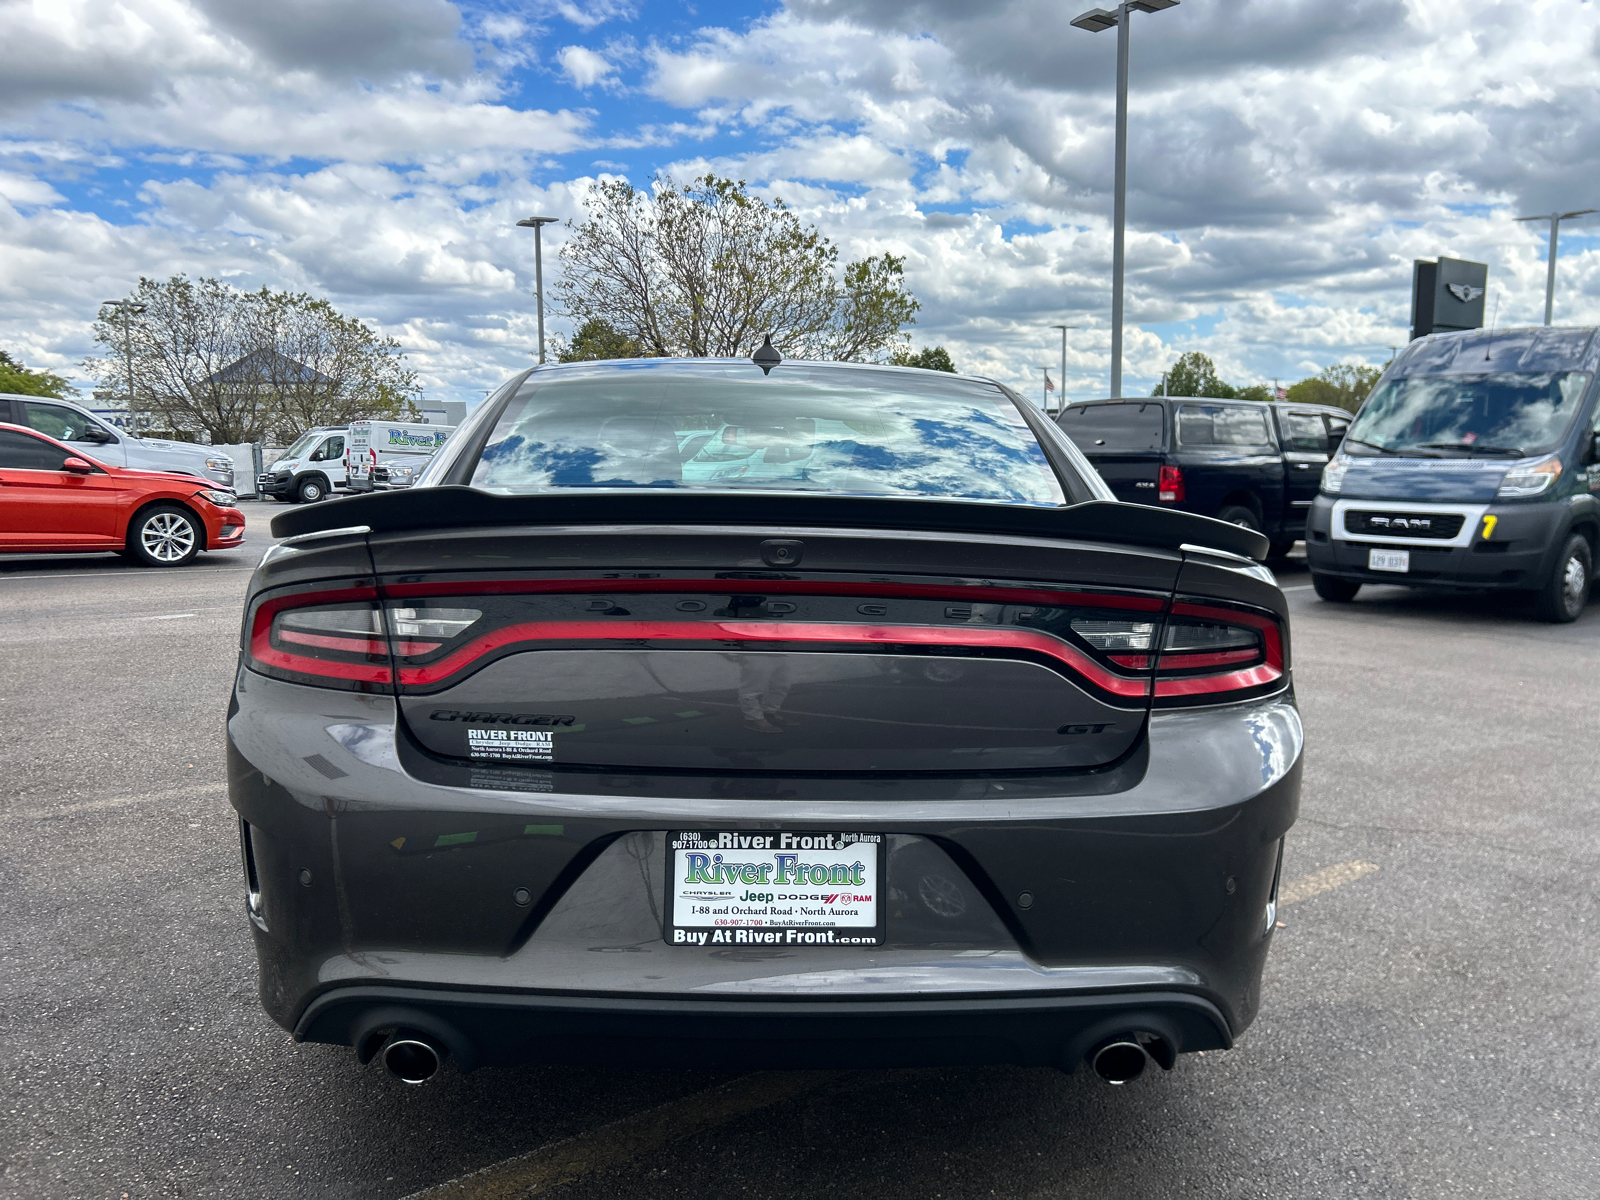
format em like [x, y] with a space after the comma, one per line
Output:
[1124, 439]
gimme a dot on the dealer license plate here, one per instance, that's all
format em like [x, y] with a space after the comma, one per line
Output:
[774, 888]
[1388, 560]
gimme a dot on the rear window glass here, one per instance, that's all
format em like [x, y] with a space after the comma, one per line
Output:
[1201, 425]
[725, 426]
[1305, 432]
[1112, 427]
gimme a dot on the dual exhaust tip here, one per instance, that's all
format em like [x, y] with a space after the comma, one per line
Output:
[1123, 1058]
[414, 1058]
[411, 1058]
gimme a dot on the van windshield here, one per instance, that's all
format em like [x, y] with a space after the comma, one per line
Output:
[1507, 414]
[302, 443]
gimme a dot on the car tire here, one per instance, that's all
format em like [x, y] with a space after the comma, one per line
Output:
[310, 491]
[165, 536]
[1339, 591]
[1565, 593]
[1238, 514]
[1281, 549]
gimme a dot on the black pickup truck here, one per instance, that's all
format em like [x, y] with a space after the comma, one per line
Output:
[1254, 464]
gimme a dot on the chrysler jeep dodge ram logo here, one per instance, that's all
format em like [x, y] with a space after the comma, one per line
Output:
[1400, 522]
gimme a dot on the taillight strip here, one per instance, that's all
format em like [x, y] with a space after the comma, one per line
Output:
[354, 645]
[777, 631]
[957, 593]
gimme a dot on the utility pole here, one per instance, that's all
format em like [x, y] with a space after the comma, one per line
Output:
[1555, 220]
[537, 225]
[129, 309]
[1097, 20]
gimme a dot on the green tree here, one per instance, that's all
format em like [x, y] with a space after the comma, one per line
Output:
[1343, 385]
[929, 358]
[19, 381]
[707, 269]
[249, 366]
[1255, 391]
[1194, 374]
[596, 339]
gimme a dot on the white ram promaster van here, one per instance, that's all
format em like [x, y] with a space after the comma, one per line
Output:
[310, 469]
[390, 454]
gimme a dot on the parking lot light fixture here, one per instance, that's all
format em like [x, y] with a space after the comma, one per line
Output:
[1061, 394]
[537, 224]
[1097, 20]
[128, 310]
[1555, 220]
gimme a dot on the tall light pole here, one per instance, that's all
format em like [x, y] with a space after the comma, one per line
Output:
[1097, 20]
[129, 309]
[1555, 220]
[537, 224]
[1061, 393]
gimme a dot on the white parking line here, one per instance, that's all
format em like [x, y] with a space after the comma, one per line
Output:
[632, 1137]
[1324, 880]
[166, 617]
[132, 574]
[1298, 587]
[35, 814]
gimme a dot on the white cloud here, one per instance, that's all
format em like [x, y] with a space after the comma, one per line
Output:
[584, 67]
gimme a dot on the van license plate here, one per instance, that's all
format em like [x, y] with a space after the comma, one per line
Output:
[775, 888]
[1388, 560]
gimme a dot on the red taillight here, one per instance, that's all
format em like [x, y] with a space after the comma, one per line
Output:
[1207, 653]
[1169, 488]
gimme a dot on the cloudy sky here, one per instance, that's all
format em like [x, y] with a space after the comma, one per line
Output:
[1289, 158]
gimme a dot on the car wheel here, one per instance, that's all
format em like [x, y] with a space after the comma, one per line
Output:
[1340, 591]
[164, 536]
[1238, 514]
[311, 490]
[1567, 590]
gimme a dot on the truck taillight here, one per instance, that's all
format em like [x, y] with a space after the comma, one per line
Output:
[1169, 488]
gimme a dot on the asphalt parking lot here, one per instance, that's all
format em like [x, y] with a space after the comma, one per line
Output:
[1430, 1020]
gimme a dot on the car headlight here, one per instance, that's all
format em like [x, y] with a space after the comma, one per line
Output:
[1333, 475]
[220, 499]
[1530, 478]
[400, 470]
[220, 462]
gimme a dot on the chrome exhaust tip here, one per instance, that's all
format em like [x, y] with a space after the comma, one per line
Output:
[411, 1058]
[1120, 1060]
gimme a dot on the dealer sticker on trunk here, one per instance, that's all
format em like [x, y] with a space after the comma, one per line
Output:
[774, 888]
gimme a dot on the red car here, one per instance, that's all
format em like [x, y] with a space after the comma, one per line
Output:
[54, 499]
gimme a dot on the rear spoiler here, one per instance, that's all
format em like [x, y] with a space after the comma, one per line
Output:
[459, 507]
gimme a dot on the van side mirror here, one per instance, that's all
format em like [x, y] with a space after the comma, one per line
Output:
[1594, 447]
[78, 466]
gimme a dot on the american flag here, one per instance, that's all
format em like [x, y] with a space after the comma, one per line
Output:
[1049, 384]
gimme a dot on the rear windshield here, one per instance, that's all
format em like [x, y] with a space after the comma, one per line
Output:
[1505, 414]
[1224, 425]
[804, 428]
[1107, 428]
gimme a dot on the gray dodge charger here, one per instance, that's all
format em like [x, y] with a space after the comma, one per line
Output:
[723, 712]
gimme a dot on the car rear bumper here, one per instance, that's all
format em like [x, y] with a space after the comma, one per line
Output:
[493, 898]
[503, 1028]
[1516, 556]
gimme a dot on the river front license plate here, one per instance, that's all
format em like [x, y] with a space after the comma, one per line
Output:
[774, 888]
[1388, 560]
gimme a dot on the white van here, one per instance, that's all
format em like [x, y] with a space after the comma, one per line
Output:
[310, 469]
[389, 453]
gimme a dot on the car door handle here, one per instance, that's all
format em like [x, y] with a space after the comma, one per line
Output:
[1302, 466]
